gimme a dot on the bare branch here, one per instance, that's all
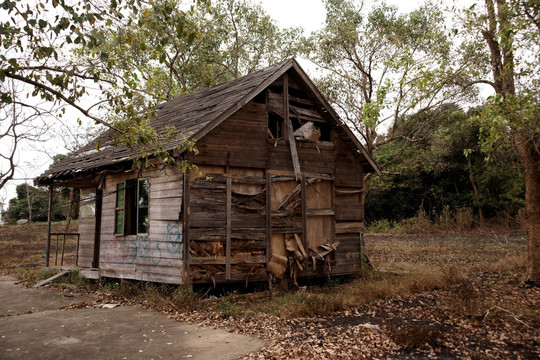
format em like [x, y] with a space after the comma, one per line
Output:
[61, 96]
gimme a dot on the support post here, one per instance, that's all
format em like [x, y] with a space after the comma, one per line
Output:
[49, 219]
[97, 226]
[288, 126]
[268, 217]
[304, 216]
[229, 225]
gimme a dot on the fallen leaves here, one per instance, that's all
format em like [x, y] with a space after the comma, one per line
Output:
[490, 315]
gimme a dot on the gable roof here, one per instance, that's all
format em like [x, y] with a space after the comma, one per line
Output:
[193, 115]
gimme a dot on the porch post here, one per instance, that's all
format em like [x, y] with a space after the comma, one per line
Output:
[49, 219]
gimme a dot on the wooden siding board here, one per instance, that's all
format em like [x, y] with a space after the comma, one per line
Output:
[87, 229]
[156, 255]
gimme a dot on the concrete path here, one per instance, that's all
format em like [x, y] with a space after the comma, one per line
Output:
[31, 327]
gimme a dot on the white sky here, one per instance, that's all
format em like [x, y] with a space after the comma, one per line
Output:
[308, 14]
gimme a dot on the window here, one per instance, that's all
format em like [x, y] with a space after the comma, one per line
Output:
[88, 203]
[275, 127]
[142, 214]
[132, 207]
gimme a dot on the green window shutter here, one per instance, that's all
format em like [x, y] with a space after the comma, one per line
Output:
[119, 211]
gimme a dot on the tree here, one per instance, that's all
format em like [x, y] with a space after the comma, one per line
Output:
[446, 176]
[39, 39]
[501, 46]
[226, 39]
[20, 123]
[36, 38]
[32, 203]
[382, 67]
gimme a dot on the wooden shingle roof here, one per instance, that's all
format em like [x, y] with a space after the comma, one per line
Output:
[193, 115]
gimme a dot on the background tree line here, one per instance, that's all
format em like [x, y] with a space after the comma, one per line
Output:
[32, 204]
[446, 178]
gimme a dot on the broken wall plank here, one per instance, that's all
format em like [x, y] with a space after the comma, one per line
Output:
[54, 277]
[288, 125]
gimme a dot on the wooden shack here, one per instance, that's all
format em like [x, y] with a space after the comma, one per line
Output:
[277, 193]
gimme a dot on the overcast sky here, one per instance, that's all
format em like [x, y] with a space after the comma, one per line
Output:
[308, 14]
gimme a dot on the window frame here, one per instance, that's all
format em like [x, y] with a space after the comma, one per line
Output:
[131, 213]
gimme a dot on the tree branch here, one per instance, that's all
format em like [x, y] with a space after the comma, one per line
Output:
[61, 96]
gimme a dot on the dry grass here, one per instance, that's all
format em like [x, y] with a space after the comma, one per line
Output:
[512, 263]
[407, 265]
[23, 246]
[462, 250]
[371, 286]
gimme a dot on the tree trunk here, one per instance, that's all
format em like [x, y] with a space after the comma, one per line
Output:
[530, 158]
[476, 194]
[526, 137]
[29, 201]
[363, 195]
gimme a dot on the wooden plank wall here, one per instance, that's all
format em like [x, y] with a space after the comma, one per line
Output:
[347, 205]
[156, 256]
[87, 227]
[237, 141]
[227, 225]
[241, 142]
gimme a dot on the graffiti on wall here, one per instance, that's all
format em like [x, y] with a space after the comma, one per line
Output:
[115, 252]
[174, 239]
[142, 249]
[146, 248]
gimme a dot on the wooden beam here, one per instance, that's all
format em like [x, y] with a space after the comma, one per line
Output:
[320, 176]
[320, 212]
[228, 236]
[46, 281]
[333, 206]
[49, 219]
[289, 128]
[221, 260]
[304, 216]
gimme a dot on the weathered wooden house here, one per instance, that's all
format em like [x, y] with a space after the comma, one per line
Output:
[277, 192]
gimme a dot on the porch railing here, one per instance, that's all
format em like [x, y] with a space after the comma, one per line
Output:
[61, 246]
